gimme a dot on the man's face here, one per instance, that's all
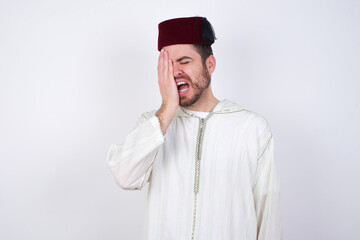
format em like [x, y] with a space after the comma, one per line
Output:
[189, 69]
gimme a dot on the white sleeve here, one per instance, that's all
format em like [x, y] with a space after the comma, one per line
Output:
[267, 196]
[131, 162]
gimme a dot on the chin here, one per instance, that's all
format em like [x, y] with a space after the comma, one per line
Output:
[187, 102]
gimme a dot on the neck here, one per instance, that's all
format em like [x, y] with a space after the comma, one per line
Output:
[205, 103]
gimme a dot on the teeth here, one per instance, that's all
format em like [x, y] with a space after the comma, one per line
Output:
[180, 83]
[183, 90]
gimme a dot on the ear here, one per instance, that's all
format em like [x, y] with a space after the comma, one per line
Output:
[211, 64]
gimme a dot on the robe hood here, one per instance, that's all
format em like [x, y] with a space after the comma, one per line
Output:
[224, 106]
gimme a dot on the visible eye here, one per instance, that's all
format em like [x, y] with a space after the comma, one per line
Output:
[182, 63]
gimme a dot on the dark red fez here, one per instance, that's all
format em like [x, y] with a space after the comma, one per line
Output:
[183, 31]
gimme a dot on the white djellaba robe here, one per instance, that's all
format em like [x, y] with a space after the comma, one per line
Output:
[209, 178]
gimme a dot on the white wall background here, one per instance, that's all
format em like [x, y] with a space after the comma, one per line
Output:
[76, 74]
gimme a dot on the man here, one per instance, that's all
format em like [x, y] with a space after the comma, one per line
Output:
[209, 163]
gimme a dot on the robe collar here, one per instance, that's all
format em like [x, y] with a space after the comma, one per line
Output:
[222, 107]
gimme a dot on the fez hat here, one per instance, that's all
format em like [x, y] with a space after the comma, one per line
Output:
[190, 30]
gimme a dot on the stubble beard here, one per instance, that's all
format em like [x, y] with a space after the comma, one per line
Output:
[198, 87]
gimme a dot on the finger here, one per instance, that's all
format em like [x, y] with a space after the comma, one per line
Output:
[160, 62]
[159, 59]
[165, 65]
[170, 72]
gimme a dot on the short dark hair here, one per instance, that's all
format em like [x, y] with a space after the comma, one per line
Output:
[204, 50]
[207, 35]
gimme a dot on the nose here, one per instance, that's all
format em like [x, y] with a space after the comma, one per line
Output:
[177, 71]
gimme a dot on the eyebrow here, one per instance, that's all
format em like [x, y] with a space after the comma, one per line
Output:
[182, 58]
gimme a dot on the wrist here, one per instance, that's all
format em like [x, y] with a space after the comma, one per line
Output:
[169, 108]
[165, 115]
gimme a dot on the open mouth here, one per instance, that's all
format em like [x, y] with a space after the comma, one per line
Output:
[182, 87]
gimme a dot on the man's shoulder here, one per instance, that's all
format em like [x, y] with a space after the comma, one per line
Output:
[254, 117]
[257, 124]
[149, 114]
[145, 116]
[238, 111]
[245, 118]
